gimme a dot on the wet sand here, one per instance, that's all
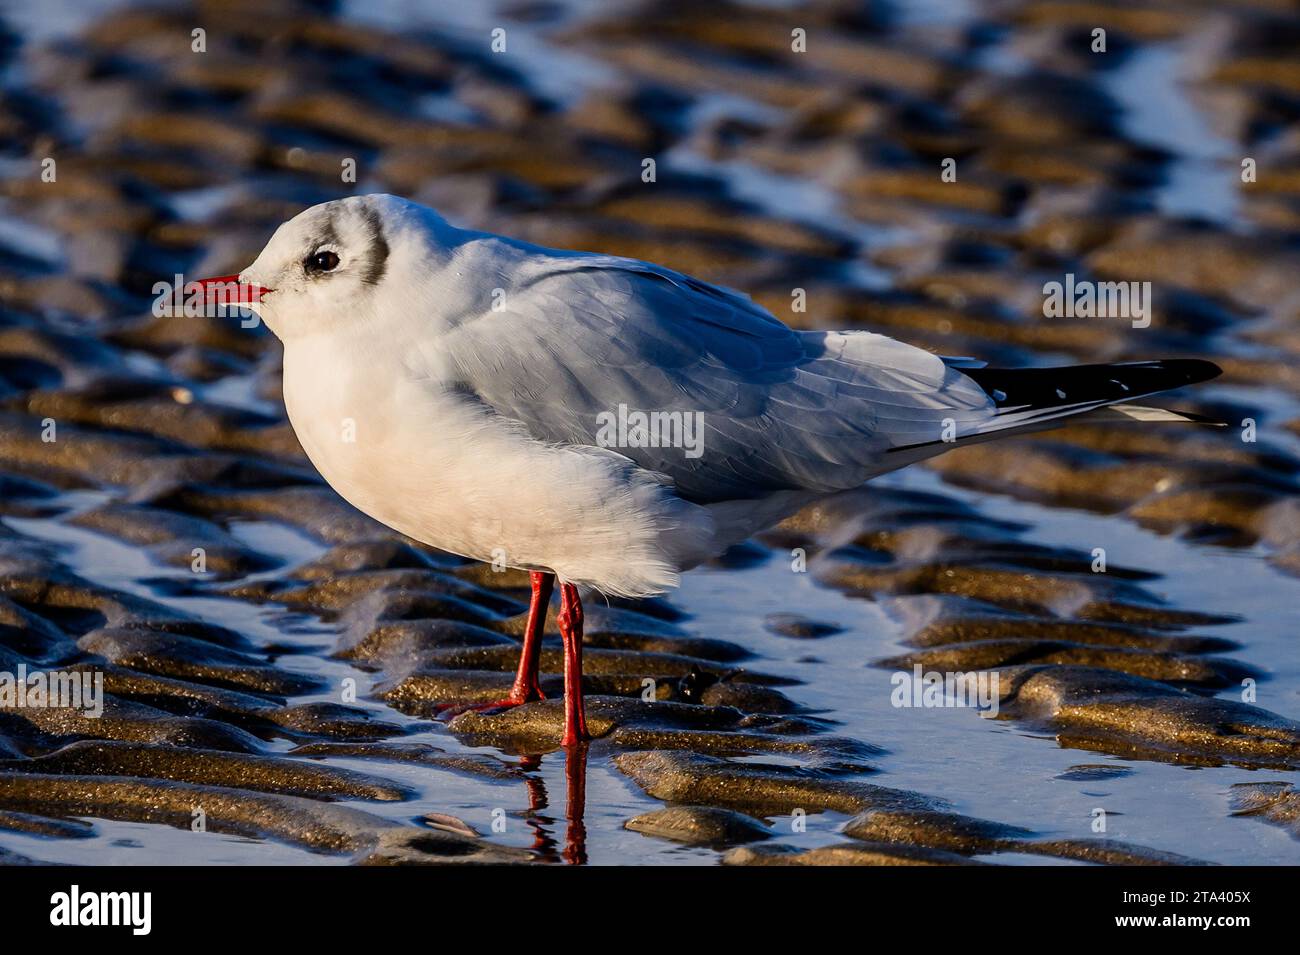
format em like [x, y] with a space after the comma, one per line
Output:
[289, 695]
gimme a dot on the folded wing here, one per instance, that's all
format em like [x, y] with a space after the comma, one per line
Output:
[580, 337]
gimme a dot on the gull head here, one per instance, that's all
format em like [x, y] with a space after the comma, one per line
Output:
[334, 265]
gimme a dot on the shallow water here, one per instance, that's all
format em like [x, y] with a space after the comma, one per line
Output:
[992, 769]
[985, 768]
[1158, 112]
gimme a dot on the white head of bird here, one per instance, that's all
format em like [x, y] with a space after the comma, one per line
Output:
[351, 264]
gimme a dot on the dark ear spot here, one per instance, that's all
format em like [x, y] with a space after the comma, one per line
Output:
[326, 235]
[374, 261]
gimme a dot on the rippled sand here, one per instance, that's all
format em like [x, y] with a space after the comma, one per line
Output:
[280, 704]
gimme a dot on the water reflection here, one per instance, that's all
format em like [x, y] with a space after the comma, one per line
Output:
[575, 805]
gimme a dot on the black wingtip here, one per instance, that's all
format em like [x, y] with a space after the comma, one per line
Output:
[1195, 418]
[1079, 385]
[1188, 371]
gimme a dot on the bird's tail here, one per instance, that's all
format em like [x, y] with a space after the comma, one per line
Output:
[1029, 395]
[1035, 399]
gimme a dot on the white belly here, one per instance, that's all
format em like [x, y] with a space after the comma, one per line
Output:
[443, 471]
[379, 448]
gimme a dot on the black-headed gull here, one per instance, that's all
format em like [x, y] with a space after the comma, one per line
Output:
[598, 420]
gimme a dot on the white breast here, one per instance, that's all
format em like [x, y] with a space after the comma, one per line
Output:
[450, 474]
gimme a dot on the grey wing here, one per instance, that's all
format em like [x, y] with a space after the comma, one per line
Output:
[779, 408]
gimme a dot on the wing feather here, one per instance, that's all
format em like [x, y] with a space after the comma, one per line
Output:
[583, 334]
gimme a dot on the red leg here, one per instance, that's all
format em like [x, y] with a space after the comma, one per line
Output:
[570, 623]
[575, 777]
[526, 687]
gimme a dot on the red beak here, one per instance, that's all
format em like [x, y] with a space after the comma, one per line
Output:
[228, 290]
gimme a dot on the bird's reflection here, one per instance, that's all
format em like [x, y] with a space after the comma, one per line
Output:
[575, 779]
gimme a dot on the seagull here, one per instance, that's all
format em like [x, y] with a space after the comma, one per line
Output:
[600, 422]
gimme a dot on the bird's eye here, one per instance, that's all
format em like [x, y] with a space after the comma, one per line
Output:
[321, 262]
